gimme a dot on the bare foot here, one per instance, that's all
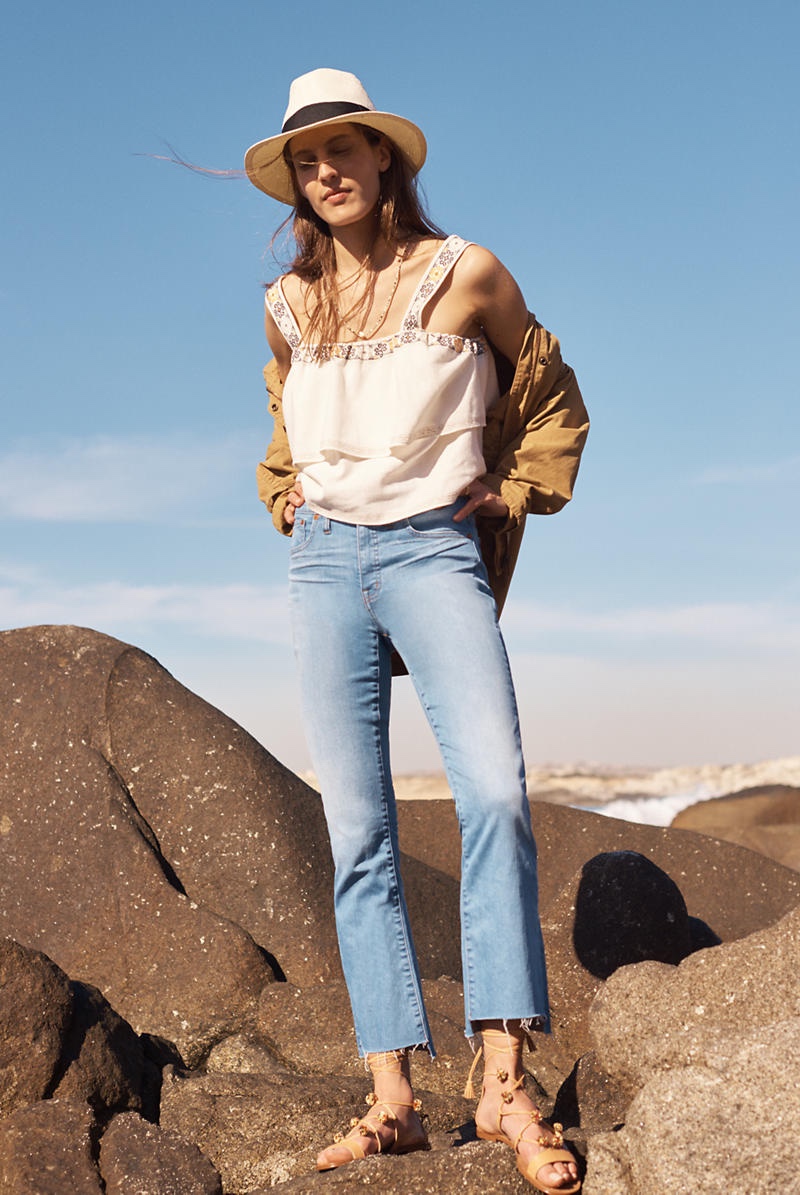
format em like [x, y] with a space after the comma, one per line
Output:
[401, 1132]
[506, 1113]
[522, 1116]
[391, 1126]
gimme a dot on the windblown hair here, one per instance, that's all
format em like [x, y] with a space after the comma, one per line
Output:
[400, 214]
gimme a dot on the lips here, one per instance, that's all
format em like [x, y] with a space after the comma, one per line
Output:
[334, 197]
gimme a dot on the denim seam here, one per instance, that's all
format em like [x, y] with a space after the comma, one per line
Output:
[397, 903]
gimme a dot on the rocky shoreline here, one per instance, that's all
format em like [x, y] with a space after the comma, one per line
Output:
[172, 1015]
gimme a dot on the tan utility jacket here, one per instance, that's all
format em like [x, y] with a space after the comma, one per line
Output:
[532, 445]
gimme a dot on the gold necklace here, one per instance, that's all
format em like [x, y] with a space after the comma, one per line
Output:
[367, 334]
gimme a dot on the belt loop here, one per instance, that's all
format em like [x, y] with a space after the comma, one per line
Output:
[326, 526]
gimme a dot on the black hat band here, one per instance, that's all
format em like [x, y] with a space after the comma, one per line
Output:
[314, 113]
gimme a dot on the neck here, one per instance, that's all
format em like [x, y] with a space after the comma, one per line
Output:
[358, 244]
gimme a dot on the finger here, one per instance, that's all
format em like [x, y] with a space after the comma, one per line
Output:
[467, 509]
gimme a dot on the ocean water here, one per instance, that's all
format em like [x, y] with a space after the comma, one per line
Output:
[650, 811]
[653, 796]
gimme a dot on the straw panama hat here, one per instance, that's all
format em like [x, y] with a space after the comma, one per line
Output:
[323, 97]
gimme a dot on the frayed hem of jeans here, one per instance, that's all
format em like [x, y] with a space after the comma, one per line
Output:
[420, 1047]
[528, 1025]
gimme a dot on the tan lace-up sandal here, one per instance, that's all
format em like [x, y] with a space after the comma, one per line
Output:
[380, 1123]
[551, 1147]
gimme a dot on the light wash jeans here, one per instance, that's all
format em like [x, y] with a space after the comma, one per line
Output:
[418, 585]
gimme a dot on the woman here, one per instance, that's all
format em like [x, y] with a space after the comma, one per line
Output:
[388, 418]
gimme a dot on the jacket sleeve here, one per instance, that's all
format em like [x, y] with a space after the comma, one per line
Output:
[276, 473]
[544, 429]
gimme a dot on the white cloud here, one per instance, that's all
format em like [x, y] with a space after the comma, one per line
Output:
[732, 625]
[214, 611]
[750, 474]
[109, 479]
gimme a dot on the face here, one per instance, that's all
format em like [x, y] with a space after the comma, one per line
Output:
[339, 172]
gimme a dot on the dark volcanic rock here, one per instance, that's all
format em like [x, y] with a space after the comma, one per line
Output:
[62, 1038]
[35, 1014]
[621, 908]
[47, 1149]
[138, 1158]
[286, 1013]
[109, 907]
[472, 1168]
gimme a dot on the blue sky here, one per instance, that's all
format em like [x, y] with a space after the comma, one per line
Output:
[636, 167]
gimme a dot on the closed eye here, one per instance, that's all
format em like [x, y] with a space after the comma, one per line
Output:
[335, 155]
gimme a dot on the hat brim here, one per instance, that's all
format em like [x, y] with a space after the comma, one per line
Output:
[268, 170]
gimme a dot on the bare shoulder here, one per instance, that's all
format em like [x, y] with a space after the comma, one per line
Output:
[480, 270]
[496, 301]
[275, 338]
[292, 290]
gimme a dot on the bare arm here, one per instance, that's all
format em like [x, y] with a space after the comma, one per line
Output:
[498, 307]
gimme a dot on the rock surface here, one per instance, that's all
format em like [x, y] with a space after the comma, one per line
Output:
[47, 1149]
[138, 1158]
[763, 819]
[567, 838]
[183, 867]
[714, 1068]
[185, 874]
[60, 1038]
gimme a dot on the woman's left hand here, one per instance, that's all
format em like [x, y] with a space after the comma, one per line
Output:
[484, 501]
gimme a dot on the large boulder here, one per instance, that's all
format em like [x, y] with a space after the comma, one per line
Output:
[181, 867]
[568, 838]
[725, 1126]
[679, 1012]
[710, 1053]
[765, 819]
[263, 1132]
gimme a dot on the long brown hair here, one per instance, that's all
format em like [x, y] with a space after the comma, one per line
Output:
[400, 214]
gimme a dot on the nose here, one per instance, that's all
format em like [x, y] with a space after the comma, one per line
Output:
[326, 170]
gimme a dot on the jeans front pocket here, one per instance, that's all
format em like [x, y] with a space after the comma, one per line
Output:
[439, 522]
[305, 522]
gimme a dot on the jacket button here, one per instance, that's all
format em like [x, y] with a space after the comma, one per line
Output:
[273, 406]
[543, 360]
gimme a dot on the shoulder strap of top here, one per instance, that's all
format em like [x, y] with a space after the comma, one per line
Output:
[282, 313]
[443, 262]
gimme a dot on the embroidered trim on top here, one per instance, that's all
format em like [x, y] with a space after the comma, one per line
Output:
[282, 315]
[450, 250]
[372, 350]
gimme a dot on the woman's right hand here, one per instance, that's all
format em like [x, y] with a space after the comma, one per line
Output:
[293, 499]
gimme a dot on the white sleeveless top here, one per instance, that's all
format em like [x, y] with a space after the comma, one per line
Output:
[384, 429]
